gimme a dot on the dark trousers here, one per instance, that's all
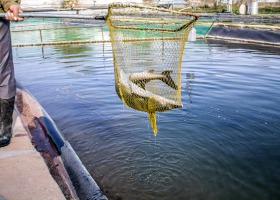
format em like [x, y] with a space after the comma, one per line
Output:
[7, 75]
[7, 81]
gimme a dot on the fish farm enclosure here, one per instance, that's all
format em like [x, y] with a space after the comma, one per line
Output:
[224, 143]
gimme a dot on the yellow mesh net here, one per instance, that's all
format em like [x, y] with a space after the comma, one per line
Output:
[148, 45]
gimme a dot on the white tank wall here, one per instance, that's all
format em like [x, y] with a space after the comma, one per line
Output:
[81, 3]
[59, 3]
[42, 3]
[105, 2]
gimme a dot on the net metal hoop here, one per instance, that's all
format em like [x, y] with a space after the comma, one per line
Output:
[122, 5]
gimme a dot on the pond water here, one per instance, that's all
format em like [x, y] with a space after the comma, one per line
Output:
[223, 144]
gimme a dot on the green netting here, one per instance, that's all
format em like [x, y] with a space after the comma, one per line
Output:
[148, 45]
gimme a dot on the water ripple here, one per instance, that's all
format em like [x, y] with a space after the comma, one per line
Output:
[223, 144]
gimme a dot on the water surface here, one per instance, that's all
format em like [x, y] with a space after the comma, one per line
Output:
[223, 144]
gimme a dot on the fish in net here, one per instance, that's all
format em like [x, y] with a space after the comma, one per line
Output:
[148, 44]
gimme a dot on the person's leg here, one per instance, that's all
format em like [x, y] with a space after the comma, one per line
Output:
[7, 84]
[6, 120]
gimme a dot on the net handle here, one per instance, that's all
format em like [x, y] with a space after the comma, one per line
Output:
[51, 15]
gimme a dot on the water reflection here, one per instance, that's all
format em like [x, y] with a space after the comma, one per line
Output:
[190, 79]
[74, 49]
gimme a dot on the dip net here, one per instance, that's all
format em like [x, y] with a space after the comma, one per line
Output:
[148, 45]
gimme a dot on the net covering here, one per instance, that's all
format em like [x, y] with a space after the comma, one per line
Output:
[148, 44]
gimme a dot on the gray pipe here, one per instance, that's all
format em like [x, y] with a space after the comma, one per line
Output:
[53, 15]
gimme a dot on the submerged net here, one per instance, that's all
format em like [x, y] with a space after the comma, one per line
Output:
[148, 45]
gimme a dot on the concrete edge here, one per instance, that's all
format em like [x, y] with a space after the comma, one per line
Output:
[241, 34]
[243, 40]
[248, 26]
[64, 165]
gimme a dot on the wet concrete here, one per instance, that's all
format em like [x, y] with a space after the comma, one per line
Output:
[23, 171]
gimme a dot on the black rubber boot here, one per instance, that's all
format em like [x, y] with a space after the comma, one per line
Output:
[6, 120]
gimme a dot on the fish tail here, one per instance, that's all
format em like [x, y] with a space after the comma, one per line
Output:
[153, 120]
[168, 79]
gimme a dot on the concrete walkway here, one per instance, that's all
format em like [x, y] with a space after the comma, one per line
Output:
[23, 172]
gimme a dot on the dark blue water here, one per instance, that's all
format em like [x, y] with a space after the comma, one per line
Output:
[223, 144]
